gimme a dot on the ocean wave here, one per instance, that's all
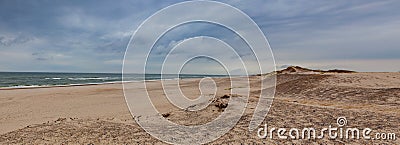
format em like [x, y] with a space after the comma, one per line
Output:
[96, 78]
[66, 85]
[31, 80]
[25, 86]
[53, 78]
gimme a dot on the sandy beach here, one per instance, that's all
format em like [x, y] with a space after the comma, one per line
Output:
[98, 114]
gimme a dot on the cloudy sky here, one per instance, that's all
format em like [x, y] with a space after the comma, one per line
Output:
[92, 35]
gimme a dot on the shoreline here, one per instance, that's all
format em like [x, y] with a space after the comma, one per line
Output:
[74, 85]
[102, 83]
[55, 86]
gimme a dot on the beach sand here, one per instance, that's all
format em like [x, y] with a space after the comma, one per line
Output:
[98, 114]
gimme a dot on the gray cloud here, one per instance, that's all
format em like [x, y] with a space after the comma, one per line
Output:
[14, 40]
[80, 37]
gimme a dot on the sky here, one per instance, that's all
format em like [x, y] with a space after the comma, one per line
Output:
[92, 35]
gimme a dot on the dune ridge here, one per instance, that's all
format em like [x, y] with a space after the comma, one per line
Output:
[98, 114]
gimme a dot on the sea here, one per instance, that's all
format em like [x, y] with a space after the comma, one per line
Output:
[38, 79]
